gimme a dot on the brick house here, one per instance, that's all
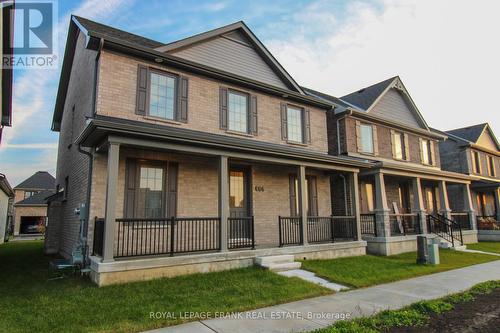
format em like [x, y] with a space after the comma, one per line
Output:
[192, 156]
[406, 189]
[474, 150]
[30, 203]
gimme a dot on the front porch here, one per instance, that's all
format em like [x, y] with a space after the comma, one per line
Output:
[165, 212]
[397, 205]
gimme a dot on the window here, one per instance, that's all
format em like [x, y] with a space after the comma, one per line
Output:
[368, 198]
[295, 120]
[237, 112]
[150, 192]
[476, 162]
[28, 194]
[236, 189]
[491, 166]
[162, 95]
[426, 151]
[311, 196]
[399, 146]
[366, 132]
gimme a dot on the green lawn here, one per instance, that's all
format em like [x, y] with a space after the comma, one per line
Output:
[485, 246]
[31, 303]
[369, 270]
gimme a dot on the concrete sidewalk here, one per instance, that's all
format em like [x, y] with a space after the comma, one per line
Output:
[314, 313]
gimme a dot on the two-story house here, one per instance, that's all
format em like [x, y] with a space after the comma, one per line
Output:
[30, 204]
[475, 151]
[205, 146]
[405, 192]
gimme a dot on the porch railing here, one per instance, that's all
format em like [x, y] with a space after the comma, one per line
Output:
[487, 222]
[404, 224]
[462, 218]
[368, 224]
[344, 228]
[290, 230]
[98, 241]
[445, 228]
[240, 231]
[143, 237]
[331, 228]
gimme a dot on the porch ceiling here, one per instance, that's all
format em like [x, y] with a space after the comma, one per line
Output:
[102, 130]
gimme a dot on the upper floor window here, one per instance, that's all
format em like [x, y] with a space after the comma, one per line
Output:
[491, 166]
[476, 162]
[28, 194]
[366, 133]
[237, 111]
[162, 96]
[295, 130]
[399, 146]
[426, 149]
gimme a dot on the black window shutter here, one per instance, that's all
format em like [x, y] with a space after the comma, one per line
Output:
[293, 197]
[173, 171]
[142, 90]
[182, 98]
[130, 185]
[223, 107]
[254, 125]
[313, 196]
[284, 122]
[307, 126]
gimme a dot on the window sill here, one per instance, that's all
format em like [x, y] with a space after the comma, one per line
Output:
[162, 120]
[295, 143]
[401, 159]
[366, 153]
[248, 135]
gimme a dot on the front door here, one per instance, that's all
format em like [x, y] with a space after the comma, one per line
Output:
[430, 200]
[239, 203]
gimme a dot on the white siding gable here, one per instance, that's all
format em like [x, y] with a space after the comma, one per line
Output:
[393, 106]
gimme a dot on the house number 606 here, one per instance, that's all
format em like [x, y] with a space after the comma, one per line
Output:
[259, 188]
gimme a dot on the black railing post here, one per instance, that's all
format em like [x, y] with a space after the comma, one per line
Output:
[253, 232]
[332, 226]
[301, 230]
[279, 232]
[172, 236]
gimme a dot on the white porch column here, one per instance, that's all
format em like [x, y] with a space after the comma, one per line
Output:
[445, 205]
[497, 203]
[111, 189]
[381, 209]
[301, 177]
[355, 203]
[418, 203]
[223, 200]
[469, 207]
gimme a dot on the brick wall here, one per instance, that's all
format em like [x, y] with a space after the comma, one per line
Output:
[27, 211]
[117, 97]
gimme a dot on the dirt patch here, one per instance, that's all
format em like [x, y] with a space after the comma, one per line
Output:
[481, 315]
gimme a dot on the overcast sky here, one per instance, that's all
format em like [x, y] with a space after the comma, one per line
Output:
[446, 52]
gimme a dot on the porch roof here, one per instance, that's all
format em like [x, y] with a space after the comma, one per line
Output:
[102, 129]
[405, 170]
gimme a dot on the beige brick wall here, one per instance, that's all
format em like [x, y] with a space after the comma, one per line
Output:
[117, 97]
[27, 211]
[198, 190]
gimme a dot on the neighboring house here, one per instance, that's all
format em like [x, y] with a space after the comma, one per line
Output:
[474, 150]
[6, 194]
[406, 189]
[7, 35]
[205, 146]
[30, 203]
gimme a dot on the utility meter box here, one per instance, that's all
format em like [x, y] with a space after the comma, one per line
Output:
[433, 251]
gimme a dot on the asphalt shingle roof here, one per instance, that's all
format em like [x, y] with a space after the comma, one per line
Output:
[470, 133]
[326, 97]
[41, 180]
[37, 199]
[365, 97]
[117, 33]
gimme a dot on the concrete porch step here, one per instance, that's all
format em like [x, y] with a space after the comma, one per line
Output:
[283, 267]
[278, 263]
[444, 244]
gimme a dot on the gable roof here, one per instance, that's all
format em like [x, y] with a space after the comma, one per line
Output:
[473, 133]
[367, 98]
[37, 199]
[41, 180]
[245, 36]
[329, 98]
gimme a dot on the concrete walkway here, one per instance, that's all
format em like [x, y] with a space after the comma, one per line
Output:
[314, 313]
[311, 277]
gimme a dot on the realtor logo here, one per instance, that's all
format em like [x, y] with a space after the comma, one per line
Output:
[33, 28]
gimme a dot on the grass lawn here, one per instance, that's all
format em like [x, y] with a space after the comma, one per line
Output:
[29, 302]
[485, 246]
[369, 270]
[422, 314]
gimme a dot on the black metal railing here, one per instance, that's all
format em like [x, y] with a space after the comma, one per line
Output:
[368, 224]
[404, 224]
[344, 228]
[462, 218]
[290, 230]
[98, 241]
[144, 237]
[487, 222]
[445, 228]
[320, 229]
[240, 231]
